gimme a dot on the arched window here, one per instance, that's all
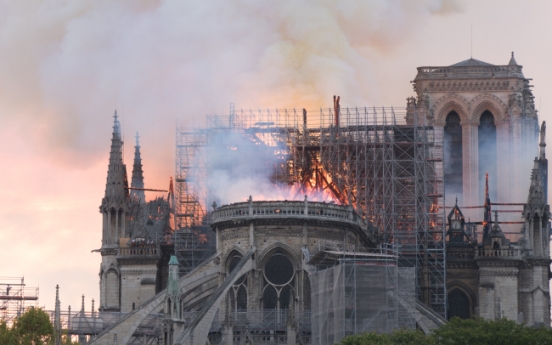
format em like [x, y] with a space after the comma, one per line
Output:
[238, 292]
[453, 156]
[459, 305]
[486, 135]
[279, 276]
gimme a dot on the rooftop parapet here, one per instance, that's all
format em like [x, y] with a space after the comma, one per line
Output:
[503, 253]
[469, 72]
[286, 209]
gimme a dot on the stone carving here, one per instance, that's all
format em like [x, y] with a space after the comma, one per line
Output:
[279, 232]
[498, 273]
[233, 234]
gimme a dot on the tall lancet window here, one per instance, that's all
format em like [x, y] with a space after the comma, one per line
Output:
[453, 157]
[487, 154]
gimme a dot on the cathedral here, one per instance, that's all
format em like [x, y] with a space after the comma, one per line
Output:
[279, 271]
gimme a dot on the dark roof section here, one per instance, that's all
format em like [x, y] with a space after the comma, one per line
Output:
[471, 63]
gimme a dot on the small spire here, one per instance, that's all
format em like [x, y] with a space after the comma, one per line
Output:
[512, 61]
[542, 144]
[116, 124]
[138, 173]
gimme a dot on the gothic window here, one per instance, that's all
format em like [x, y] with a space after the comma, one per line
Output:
[453, 156]
[238, 292]
[279, 277]
[459, 305]
[270, 297]
[486, 135]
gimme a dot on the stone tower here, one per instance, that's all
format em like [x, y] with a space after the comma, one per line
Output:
[487, 117]
[133, 234]
[113, 210]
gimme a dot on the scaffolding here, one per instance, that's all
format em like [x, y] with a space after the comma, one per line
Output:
[192, 246]
[388, 169]
[365, 292]
[15, 298]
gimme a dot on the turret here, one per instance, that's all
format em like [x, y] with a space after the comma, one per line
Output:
[114, 202]
[512, 61]
[172, 301]
[137, 174]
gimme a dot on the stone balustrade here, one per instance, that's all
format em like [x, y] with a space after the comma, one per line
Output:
[506, 253]
[458, 71]
[271, 209]
[150, 251]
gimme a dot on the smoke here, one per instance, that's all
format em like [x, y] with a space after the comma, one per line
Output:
[236, 168]
[67, 65]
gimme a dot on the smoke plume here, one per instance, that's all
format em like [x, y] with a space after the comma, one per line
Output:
[67, 65]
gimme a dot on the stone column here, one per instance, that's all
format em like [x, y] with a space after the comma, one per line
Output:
[108, 228]
[105, 233]
[515, 156]
[251, 234]
[123, 224]
[470, 165]
[116, 232]
[504, 159]
[219, 240]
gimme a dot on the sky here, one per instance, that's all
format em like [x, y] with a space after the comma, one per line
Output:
[66, 66]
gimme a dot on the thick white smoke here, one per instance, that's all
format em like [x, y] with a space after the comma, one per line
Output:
[65, 65]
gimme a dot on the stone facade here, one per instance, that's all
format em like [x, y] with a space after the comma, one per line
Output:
[281, 233]
[467, 91]
[496, 277]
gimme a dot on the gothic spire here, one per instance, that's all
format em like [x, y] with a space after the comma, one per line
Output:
[137, 173]
[116, 172]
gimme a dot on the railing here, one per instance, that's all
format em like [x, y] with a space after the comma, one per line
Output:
[498, 71]
[510, 253]
[152, 251]
[271, 209]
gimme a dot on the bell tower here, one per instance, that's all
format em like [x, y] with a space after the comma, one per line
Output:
[487, 118]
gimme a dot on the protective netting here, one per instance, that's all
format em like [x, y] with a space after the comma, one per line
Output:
[361, 296]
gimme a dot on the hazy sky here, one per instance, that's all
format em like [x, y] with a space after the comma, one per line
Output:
[65, 66]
